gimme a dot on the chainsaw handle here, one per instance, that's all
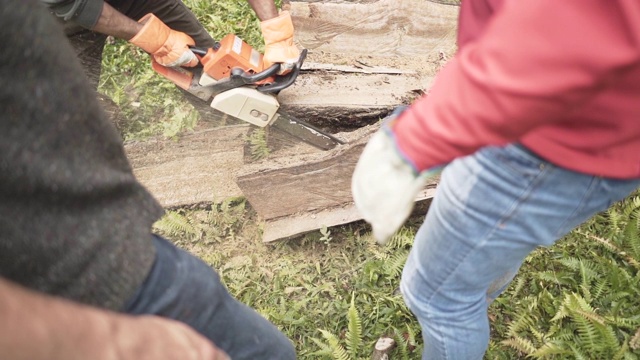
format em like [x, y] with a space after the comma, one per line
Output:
[198, 51]
[286, 80]
[239, 78]
[203, 51]
[249, 78]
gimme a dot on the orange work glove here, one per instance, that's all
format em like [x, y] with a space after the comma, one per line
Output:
[278, 40]
[168, 47]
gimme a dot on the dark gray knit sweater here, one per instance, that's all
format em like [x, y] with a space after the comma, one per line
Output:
[74, 222]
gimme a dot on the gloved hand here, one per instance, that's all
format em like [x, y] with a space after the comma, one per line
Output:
[168, 47]
[278, 40]
[385, 182]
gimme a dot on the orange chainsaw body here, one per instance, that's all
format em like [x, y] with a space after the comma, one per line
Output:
[218, 62]
[233, 53]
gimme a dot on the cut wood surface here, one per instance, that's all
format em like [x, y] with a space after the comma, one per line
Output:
[382, 348]
[405, 28]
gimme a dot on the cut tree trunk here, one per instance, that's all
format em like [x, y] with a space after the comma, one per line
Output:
[383, 347]
[301, 193]
[365, 58]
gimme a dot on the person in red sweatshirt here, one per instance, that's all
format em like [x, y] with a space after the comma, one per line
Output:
[536, 125]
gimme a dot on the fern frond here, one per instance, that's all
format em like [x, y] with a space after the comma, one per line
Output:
[563, 309]
[584, 308]
[519, 285]
[600, 288]
[587, 333]
[625, 323]
[632, 234]
[402, 348]
[524, 321]
[549, 276]
[537, 334]
[402, 239]
[577, 354]
[622, 352]
[395, 263]
[411, 336]
[337, 351]
[610, 343]
[520, 344]
[613, 248]
[572, 263]
[173, 223]
[548, 349]
[354, 330]
[258, 144]
[324, 348]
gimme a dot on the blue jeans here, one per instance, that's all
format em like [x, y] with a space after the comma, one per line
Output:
[182, 287]
[490, 211]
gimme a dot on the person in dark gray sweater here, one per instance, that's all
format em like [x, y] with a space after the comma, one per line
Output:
[76, 225]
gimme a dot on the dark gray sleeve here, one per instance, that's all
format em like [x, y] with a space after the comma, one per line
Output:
[82, 12]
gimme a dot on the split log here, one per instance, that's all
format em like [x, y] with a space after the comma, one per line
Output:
[386, 28]
[398, 44]
[344, 98]
[297, 194]
[198, 168]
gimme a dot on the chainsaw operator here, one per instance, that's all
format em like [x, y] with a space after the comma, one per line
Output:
[165, 29]
[536, 124]
[81, 274]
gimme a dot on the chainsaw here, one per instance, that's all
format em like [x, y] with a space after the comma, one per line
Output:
[231, 76]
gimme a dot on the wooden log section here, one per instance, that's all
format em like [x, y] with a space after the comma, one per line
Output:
[198, 168]
[386, 28]
[298, 194]
[366, 56]
[350, 98]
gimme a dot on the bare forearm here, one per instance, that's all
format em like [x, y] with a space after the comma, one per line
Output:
[35, 326]
[114, 23]
[264, 9]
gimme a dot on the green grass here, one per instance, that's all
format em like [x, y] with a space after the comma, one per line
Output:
[578, 299]
[335, 292]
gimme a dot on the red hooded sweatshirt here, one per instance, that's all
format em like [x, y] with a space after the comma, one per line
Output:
[561, 77]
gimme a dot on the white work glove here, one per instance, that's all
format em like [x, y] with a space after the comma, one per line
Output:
[385, 185]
